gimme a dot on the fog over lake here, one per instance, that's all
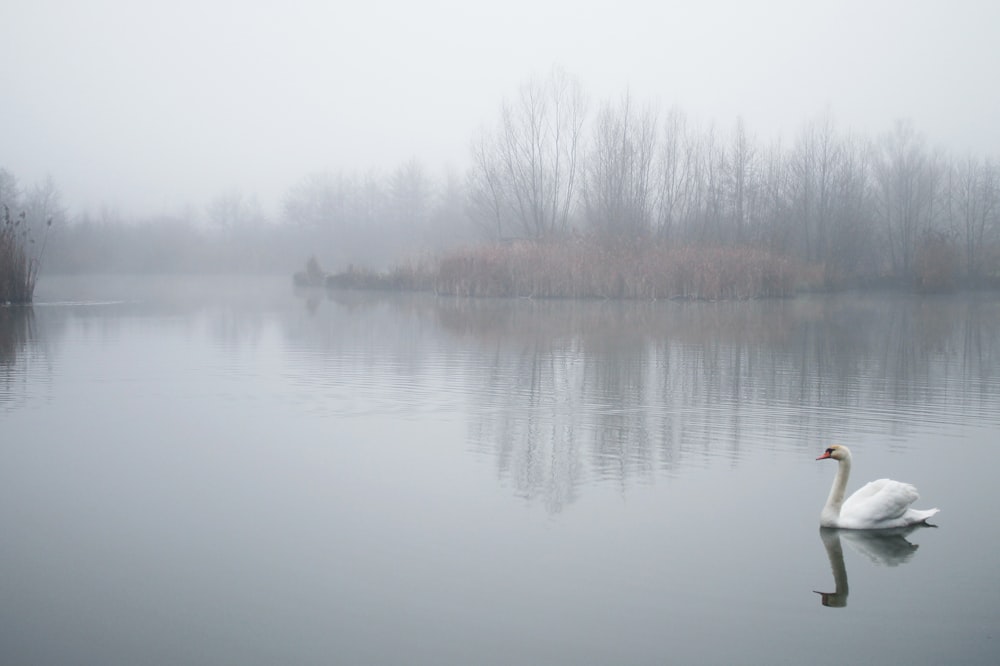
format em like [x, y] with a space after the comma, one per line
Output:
[217, 471]
[158, 110]
[547, 310]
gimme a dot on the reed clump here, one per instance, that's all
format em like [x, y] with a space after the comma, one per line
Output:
[587, 268]
[18, 267]
[404, 277]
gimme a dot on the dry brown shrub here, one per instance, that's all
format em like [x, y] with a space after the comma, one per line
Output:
[584, 268]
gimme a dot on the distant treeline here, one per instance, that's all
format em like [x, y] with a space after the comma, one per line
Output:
[555, 168]
[853, 207]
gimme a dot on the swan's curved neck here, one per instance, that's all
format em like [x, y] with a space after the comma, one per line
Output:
[836, 499]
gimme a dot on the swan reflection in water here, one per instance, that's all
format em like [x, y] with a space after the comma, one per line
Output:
[888, 548]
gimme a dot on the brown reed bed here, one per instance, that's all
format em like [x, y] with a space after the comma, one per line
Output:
[586, 268]
[581, 267]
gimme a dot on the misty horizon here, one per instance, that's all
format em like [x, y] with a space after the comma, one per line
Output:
[159, 111]
[276, 208]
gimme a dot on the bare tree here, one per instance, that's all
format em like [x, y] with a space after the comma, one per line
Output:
[802, 192]
[714, 165]
[852, 246]
[449, 220]
[367, 202]
[828, 155]
[408, 208]
[816, 166]
[318, 201]
[974, 205]
[619, 190]
[534, 158]
[410, 193]
[774, 225]
[487, 188]
[672, 190]
[907, 177]
[695, 189]
[43, 205]
[233, 213]
[743, 175]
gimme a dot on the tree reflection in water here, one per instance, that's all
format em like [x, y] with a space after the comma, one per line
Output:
[616, 391]
[20, 344]
[17, 329]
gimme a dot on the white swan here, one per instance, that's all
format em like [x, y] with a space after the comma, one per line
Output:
[881, 504]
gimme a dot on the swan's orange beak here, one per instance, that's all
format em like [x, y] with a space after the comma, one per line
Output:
[826, 454]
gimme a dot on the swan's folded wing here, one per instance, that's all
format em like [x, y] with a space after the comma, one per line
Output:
[880, 500]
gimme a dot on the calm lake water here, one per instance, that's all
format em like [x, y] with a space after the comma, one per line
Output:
[225, 471]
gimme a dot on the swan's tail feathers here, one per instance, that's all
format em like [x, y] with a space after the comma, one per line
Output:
[924, 515]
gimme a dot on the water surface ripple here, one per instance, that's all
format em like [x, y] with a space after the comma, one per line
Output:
[225, 470]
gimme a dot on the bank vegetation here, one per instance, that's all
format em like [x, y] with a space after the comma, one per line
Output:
[19, 260]
[566, 196]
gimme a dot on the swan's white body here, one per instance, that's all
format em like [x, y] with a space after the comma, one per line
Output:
[881, 504]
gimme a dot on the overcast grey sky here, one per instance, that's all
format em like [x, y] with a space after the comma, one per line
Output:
[150, 106]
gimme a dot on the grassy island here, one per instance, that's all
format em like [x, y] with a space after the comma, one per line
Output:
[579, 267]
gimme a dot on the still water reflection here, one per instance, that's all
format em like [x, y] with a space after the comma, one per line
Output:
[225, 471]
[628, 391]
[881, 547]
